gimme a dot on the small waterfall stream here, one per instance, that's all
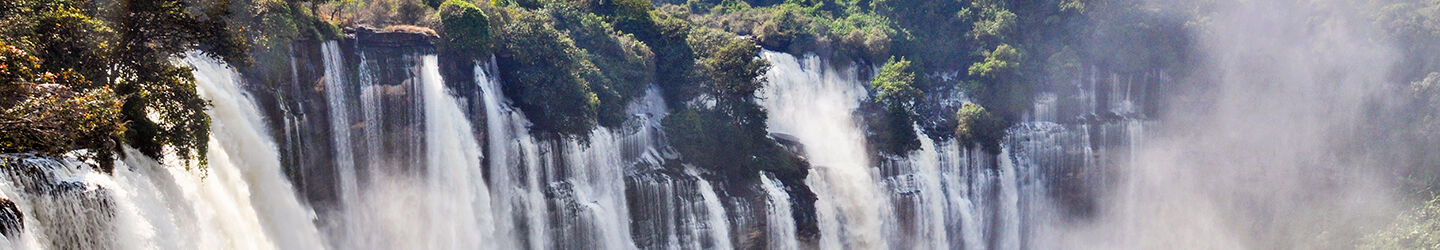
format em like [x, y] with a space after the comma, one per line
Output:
[778, 215]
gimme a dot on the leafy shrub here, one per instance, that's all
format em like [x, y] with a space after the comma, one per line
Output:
[895, 85]
[466, 28]
[978, 126]
[625, 65]
[40, 113]
[1003, 60]
[544, 73]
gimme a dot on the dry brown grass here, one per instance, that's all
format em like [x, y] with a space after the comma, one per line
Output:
[409, 29]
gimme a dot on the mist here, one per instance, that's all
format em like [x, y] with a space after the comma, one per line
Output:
[1263, 153]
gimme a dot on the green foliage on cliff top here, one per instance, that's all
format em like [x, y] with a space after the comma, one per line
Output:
[43, 114]
[566, 47]
[853, 31]
[625, 64]
[466, 28]
[115, 58]
[545, 74]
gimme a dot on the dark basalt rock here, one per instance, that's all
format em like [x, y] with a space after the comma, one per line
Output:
[12, 221]
[802, 207]
[298, 112]
[393, 37]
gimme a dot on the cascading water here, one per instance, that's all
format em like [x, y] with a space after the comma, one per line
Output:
[814, 103]
[248, 158]
[568, 195]
[715, 223]
[779, 217]
[337, 98]
[436, 201]
[944, 195]
[519, 200]
[243, 201]
[456, 181]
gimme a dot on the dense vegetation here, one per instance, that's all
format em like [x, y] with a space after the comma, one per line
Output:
[998, 53]
[722, 127]
[69, 62]
[571, 65]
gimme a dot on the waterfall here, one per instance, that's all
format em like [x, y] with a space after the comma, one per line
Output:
[410, 171]
[247, 160]
[519, 198]
[336, 96]
[242, 200]
[715, 223]
[814, 102]
[564, 193]
[405, 198]
[778, 215]
[945, 195]
[927, 166]
[1009, 203]
[455, 178]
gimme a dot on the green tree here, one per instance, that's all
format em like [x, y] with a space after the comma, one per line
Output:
[674, 58]
[895, 91]
[41, 113]
[978, 127]
[130, 55]
[544, 73]
[625, 65]
[150, 34]
[466, 27]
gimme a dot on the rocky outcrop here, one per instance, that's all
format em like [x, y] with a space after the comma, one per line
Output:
[403, 37]
[12, 221]
[298, 113]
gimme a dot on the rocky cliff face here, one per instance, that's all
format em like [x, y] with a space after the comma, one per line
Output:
[357, 99]
[375, 66]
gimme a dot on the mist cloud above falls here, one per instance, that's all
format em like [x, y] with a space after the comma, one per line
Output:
[1267, 158]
